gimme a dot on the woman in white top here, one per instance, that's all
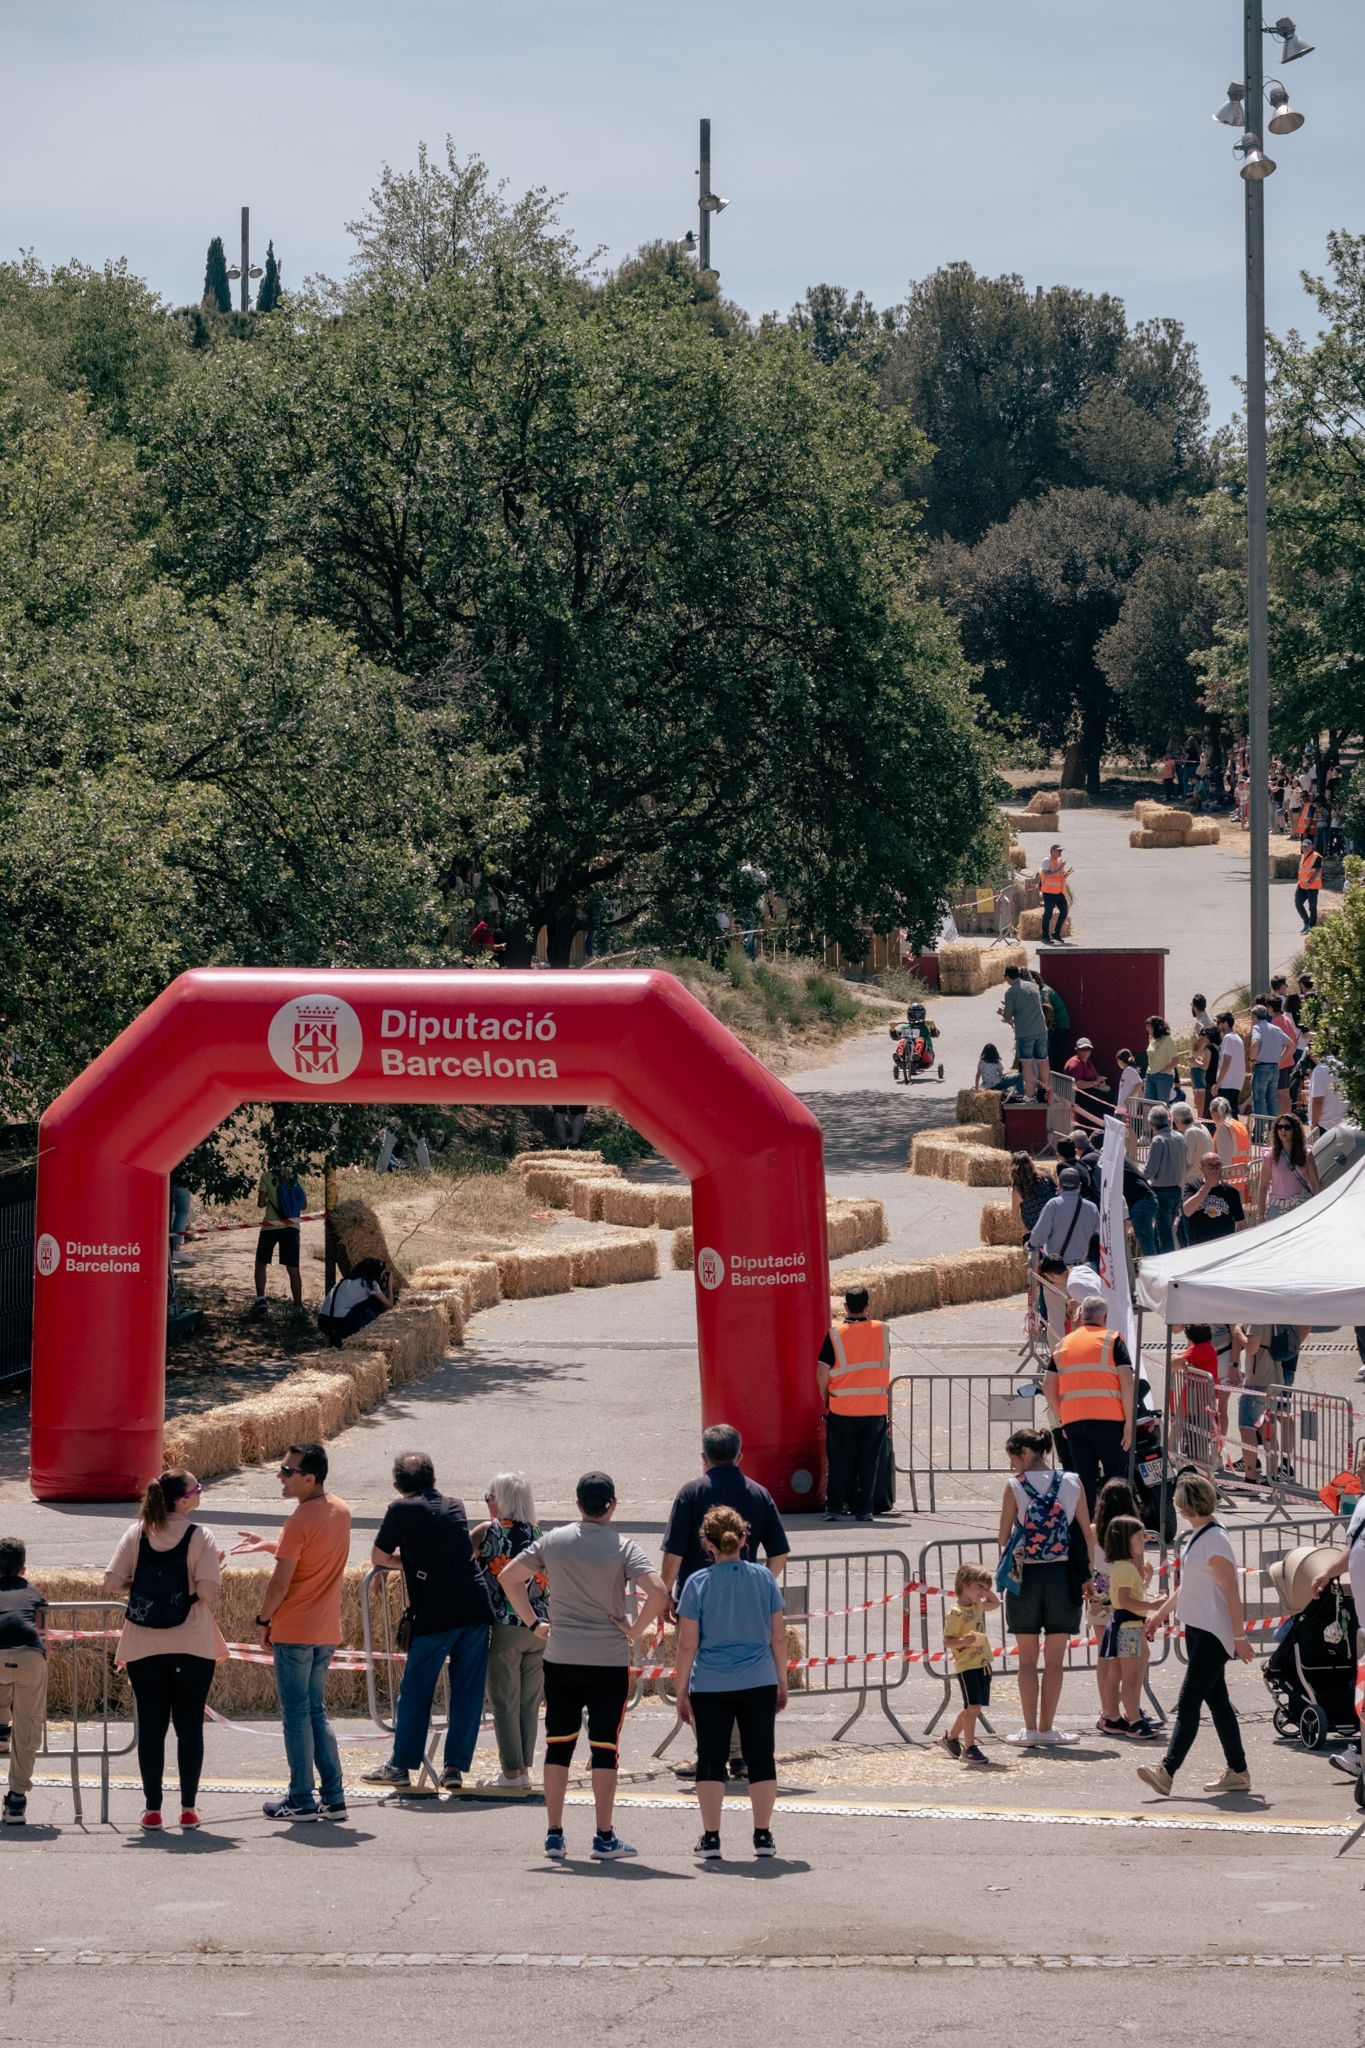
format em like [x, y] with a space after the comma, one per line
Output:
[171, 1570]
[1208, 1603]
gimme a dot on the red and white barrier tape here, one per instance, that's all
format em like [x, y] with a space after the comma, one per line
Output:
[217, 1229]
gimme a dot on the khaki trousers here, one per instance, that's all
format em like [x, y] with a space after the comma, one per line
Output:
[23, 1703]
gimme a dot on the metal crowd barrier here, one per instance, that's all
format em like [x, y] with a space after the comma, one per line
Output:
[1257, 1546]
[78, 1657]
[1195, 1433]
[383, 1674]
[1061, 1106]
[956, 1422]
[938, 1567]
[853, 1608]
[1313, 1432]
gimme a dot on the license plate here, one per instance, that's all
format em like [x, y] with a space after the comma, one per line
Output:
[1150, 1468]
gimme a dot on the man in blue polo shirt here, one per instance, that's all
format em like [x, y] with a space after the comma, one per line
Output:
[721, 1485]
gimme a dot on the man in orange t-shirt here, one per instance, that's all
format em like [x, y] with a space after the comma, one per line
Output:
[300, 1622]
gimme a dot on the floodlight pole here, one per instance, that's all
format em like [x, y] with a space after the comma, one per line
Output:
[1258, 625]
[246, 259]
[703, 210]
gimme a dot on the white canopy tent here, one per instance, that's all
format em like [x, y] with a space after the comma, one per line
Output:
[1306, 1267]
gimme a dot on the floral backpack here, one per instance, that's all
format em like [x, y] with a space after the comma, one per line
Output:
[1046, 1537]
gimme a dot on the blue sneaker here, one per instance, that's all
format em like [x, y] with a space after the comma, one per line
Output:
[606, 1848]
[554, 1844]
[288, 1809]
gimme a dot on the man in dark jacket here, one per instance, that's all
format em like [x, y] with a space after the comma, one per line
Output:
[451, 1609]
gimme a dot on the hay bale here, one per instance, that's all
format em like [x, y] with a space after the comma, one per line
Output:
[675, 1207]
[1000, 1225]
[1045, 803]
[896, 1288]
[1020, 821]
[587, 1198]
[410, 1339]
[960, 969]
[358, 1234]
[979, 1106]
[611, 1261]
[1016, 855]
[981, 1166]
[548, 1156]
[632, 1203]
[481, 1288]
[1036, 821]
[1074, 799]
[206, 1444]
[554, 1184]
[368, 1372]
[271, 1422]
[683, 1254]
[932, 1153]
[854, 1226]
[335, 1394]
[983, 1275]
[1203, 832]
[525, 1274]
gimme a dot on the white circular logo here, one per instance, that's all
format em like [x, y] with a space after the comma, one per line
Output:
[316, 1039]
[49, 1255]
[710, 1268]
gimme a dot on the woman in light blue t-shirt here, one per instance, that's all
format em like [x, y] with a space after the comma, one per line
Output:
[732, 1668]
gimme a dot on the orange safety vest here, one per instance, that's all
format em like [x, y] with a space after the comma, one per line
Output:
[1237, 1167]
[1310, 870]
[1051, 881]
[860, 1377]
[1088, 1385]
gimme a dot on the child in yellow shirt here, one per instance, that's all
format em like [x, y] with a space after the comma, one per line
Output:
[964, 1634]
[1125, 1638]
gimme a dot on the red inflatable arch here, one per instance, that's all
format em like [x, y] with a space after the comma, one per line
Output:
[220, 1037]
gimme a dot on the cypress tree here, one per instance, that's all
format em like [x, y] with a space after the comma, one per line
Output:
[216, 286]
[268, 297]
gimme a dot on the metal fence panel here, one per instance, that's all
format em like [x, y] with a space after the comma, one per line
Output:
[936, 1570]
[957, 1422]
[1258, 1545]
[77, 1638]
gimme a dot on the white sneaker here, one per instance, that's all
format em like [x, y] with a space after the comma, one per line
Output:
[1057, 1738]
[1024, 1738]
[1347, 1760]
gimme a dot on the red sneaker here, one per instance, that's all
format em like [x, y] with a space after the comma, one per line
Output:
[189, 1818]
[151, 1819]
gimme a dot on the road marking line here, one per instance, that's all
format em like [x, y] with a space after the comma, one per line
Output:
[523, 1959]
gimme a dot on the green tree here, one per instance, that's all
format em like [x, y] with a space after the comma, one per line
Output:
[1022, 392]
[667, 266]
[1041, 601]
[656, 572]
[271, 291]
[1336, 954]
[839, 326]
[217, 290]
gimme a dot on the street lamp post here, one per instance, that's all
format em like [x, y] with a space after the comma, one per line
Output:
[246, 271]
[708, 202]
[1244, 108]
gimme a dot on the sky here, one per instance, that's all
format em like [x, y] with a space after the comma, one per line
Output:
[862, 143]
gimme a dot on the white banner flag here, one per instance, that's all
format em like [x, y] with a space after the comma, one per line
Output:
[1113, 1245]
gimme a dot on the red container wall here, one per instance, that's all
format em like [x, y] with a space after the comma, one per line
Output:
[1110, 992]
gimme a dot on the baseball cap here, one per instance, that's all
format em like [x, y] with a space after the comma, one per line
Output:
[1088, 1043]
[595, 1492]
[1069, 1177]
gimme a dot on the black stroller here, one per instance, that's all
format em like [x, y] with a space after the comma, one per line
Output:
[1311, 1672]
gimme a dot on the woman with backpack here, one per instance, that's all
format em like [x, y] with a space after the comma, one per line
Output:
[170, 1571]
[1045, 1548]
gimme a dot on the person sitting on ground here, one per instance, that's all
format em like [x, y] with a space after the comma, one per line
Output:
[586, 1567]
[732, 1674]
[451, 1608]
[1043, 1506]
[965, 1637]
[721, 1485]
[1023, 1008]
[354, 1302]
[282, 1201]
[1207, 1601]
[23, 1675]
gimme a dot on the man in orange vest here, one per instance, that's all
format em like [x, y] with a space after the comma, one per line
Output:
[1310, 882]
[1089, 1388]
[1052, 881]
[854, 1374]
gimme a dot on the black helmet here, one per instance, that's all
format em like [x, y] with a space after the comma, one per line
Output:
[915, 1012]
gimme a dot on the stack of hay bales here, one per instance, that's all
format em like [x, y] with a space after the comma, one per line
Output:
[1284, 858]
[637, 1203]
[981, 1106]
[968, 970]
[1159, 825]
[854, 1226]
[982, 1275]
[1074, 799]
[1016, 855]
[1000, 1225]
[973, 1154]
[608, 1261]
[911, 1286]
[356, 1234]
[553, 1181]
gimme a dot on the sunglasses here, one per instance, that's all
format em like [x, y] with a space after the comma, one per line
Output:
[290, 1471]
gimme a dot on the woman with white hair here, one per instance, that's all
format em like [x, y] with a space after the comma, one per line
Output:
[516, 1657]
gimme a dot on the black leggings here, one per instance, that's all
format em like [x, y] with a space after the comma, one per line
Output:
[170, 1689]
[715, 1714]
[1205, 1684]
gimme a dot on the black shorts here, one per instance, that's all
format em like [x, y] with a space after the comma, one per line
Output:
[975, 1687]
[598, 1690]
[285, 1241]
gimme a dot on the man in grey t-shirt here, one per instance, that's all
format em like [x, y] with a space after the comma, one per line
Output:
[1023, 1008]
[587, 1568]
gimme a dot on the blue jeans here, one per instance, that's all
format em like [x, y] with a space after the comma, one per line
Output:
[1157, 1087]
[300, 1676]
[1168, 1202]
[466, 1651]
[1265, 1082]
[1143, 1217]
